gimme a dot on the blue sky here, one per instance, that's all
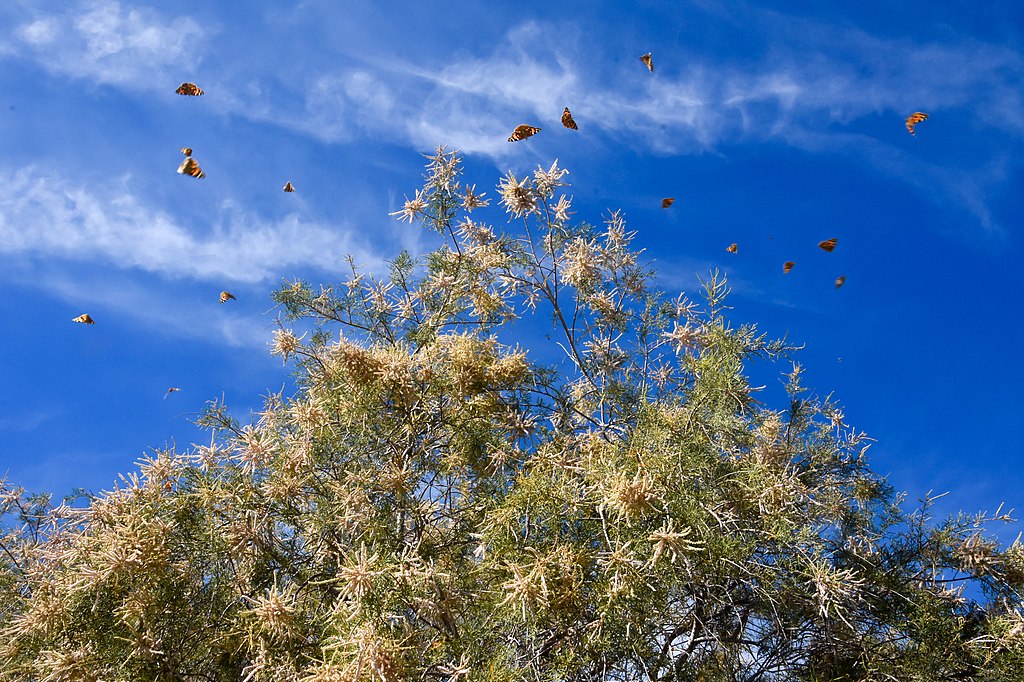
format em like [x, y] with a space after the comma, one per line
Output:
[775, 126]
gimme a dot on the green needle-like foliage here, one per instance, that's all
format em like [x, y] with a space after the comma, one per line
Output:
[436, 503]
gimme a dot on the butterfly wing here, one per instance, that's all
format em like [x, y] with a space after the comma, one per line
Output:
[648, 62]
[84, 319]
[840, 281]
[667, 201]
[568, 121]
[733, 248]
[226, 296]
[787, 266]
[828, 244]
[289, 187]
[522, 132]
[189, 89]
[187, 151]
[190, 167]
[914, 119]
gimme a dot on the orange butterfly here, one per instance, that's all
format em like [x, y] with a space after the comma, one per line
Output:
[914, 119]
[733, 248]
[828, 244]
[787, 266]
[84, 319]
[840, 281]
[171, 390]
[190, 167]
[667, 201]
[648, 62]
[190, 89]
[289, 187]
[522, 132]
[187, 151]
[226, 296]
[567, 120]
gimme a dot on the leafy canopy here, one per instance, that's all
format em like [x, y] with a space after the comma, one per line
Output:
[432, 503]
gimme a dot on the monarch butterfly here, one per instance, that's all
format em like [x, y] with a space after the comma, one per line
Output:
[787, 266]
[567, 120]
[226, 296]
[84, 319]
[171, 390]
[648, 62]
[289, 187]
[522, 132]
[667, 201]
[190, 167]
[828, 244]
[733, 248]
[187, 151]
[189, 89]
[840, 281]
[914, 119]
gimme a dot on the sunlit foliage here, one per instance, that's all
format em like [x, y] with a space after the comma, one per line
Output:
[435, 503]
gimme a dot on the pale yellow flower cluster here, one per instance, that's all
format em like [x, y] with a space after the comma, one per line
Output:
[285, 343]
[274, 613]
[545, 181]
[628, 497]
[471, 200]
[668, 541]
[517, 196]
[580, 267]
[413, 208]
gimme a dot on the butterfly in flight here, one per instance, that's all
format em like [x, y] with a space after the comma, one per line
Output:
[522, 132]
[189, 89]
[648, 62]
[914, 119]
[190, 167]
[828, 244]
[667, 201]
[84, 319]
[171, 390]
[567, 120]
[226, 296]
[787, 266]
[187, 151]
[840, 281]
[289, 187]
[733, 248]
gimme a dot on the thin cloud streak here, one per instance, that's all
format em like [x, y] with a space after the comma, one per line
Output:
[42, 213]
[828, 74]
[110, 44]
[810, 94]
[831, 77]
[26, 421]
[164, 311]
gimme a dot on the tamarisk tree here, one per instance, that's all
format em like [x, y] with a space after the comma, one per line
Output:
[433, 502]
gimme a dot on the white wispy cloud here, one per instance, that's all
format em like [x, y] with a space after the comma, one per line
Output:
[811, 91]
[45, 214]
[816, 74]
[829, 78]
[26, 420]
[109, 43]
[153, 307]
